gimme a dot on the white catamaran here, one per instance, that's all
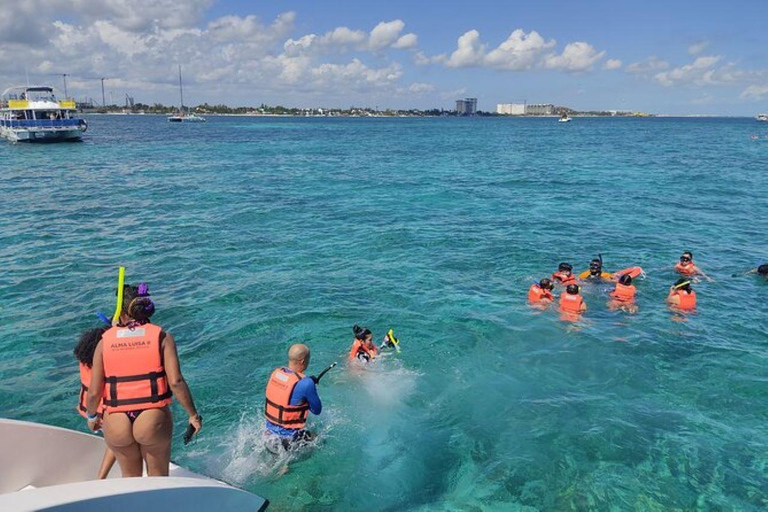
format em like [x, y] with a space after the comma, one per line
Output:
[183, 117]
[33, 113]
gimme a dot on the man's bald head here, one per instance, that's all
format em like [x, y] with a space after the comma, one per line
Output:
[298, 355]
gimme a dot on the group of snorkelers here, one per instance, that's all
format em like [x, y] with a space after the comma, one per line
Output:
[130, 372]
[129, 375]
[571, 304]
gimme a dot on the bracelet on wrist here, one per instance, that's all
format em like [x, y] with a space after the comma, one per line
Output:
[91, 417]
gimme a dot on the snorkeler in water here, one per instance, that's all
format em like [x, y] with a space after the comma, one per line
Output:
[390, 342]
[597, 273]
[762, 270]
[363, 347]
[564, 274]
[681, 295]
[687, 267]
[540, 294]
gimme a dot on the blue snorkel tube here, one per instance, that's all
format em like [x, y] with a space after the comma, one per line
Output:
[104, 318]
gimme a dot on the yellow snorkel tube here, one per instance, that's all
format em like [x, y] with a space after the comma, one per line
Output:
[684, 283]
[395, 342]
[119, 305]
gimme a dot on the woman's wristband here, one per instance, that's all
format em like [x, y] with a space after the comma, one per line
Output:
[91, 418]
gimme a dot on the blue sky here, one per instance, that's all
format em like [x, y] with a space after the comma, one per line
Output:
[663, 57]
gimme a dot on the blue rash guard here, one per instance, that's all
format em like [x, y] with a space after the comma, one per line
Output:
[304, 391]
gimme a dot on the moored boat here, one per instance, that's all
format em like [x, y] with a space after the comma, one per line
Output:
[181, 116]
[34, 114]
[762, 117]
[51, 468]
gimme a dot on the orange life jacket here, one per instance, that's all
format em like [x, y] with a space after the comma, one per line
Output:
[134, 375]
[564, 279]
[278, 408]
[358, 347]
[85, 381]
[688, 270]
[633, 272]
[687, 300]
[624, 293]
[571, 303]
[536, 293]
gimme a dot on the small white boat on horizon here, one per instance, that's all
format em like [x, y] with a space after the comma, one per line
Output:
[50, 468]
[181, 116]
[762, 117]
[564, 119]
[34, 114]
[186, 118]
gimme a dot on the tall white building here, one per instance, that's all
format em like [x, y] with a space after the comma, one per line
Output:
[539, 109]
[466, 107]
[511, 109]
[525, 109]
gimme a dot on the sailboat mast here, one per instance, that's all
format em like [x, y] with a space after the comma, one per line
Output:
[181, 91]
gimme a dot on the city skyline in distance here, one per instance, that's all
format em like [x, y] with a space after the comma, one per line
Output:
[690, 58]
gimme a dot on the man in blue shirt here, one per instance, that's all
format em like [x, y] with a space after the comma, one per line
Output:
[290, 396]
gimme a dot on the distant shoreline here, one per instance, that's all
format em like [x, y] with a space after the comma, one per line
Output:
[573, 116]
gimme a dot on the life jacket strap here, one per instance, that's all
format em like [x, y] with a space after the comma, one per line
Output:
[301, 409]
[152, 377]
[83, 394]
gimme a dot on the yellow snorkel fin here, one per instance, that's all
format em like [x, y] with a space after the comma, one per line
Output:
[119, 305]
[395, 342]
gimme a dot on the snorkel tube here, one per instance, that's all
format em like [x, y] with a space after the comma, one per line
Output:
[104, 318]
[395, 342]
[120, 285]
[317, 379]
[681, 285]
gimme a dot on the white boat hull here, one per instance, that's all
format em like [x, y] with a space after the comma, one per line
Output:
[51, 468]
[41, 134]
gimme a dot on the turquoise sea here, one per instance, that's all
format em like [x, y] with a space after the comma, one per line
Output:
[257, 233]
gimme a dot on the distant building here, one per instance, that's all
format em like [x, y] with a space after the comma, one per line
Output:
[511, 109]
[466, 107]
[539, 109]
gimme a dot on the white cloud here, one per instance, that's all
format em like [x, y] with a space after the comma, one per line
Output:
[470, 51]
[420, 59]
[520, 51]
[612, 64]
[650, 65]
[755, 92]
[406, 42]
[355, 75]
[385, 34]
[345, 36]
[578, 56]
[700, 72]
[222, 57]
[420, 87]
[697, 48]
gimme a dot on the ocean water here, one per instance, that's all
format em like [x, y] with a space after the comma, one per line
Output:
[257, 233]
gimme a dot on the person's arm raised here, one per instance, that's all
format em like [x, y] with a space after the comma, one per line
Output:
[177, 383]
